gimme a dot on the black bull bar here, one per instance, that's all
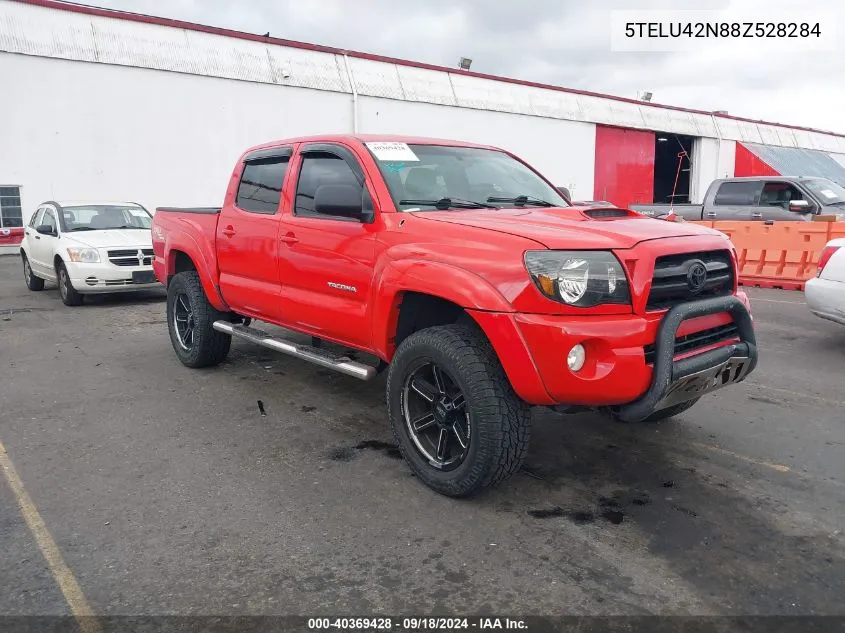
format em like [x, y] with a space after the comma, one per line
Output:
[679, 381]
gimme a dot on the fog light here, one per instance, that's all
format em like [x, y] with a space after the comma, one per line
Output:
[576, 357]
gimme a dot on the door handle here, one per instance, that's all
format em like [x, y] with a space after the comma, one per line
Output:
[757, 216]
[711, 214]
[290, 238]
[229, 231]
[37, 237]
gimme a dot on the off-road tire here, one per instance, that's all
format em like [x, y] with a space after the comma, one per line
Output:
[500, 422]
[208, 346]
[69, 295]
[32, 282]
[665, 414]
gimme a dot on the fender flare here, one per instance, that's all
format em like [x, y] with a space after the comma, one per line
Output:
[181, 241]
[444, 281]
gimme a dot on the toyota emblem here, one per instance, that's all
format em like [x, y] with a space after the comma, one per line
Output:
[697, 276]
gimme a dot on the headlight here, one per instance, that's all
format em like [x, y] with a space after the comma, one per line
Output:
[84, 255]
[579, 278]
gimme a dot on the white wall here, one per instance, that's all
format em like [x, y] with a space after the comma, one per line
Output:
[711, 159]
[564, 151]
[77, 130]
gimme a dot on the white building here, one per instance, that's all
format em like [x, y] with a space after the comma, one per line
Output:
[104, 104]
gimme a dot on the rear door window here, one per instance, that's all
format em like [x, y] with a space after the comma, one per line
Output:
[260, 189]
[737, 193]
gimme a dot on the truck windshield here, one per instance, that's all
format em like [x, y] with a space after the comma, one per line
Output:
[826, 191]
[429, 176]
[101, 217]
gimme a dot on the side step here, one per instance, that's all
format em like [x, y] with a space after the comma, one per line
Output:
[314, 355]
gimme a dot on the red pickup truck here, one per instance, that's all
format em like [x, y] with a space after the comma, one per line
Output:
[470, 278]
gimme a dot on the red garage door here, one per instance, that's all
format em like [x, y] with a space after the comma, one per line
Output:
[624, 166]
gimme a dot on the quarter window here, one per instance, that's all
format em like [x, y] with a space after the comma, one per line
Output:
[260, 189]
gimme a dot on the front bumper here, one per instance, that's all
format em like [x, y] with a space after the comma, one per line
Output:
[103, 278]
[617, 372]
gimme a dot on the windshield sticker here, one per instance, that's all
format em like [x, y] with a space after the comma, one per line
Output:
[393, 152]
[395, 167]
[827, 193]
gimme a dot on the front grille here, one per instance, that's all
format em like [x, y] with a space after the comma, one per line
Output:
[670, 284]
[129, 257]
[695, 341]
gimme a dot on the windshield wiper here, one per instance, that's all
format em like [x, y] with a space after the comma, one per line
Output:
[82, 228]
[450, 203]
[521, 201]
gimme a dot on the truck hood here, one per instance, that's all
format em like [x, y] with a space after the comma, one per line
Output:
[134, 238]
[568, 228]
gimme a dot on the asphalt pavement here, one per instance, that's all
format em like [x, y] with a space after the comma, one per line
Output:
[167, 491]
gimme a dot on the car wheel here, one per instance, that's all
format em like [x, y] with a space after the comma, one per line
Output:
[69, 295]
[32, 282]
[190, 321]
[454, 414]
[665, 414]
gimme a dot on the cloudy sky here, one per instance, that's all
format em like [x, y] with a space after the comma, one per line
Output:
[567, 43]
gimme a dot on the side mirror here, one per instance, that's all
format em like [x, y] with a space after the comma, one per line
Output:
[799, 206]
[346, 201]
[46, 229]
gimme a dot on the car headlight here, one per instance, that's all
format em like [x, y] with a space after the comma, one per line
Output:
[579, 278]
[84, 255]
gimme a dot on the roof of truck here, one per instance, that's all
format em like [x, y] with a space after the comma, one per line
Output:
[371, 138]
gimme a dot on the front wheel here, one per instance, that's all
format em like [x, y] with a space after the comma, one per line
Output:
[454, 415]
[32, 282]
[69, 295]
[190, 320]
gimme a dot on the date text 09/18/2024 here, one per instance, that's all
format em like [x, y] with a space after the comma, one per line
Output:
[417, 624]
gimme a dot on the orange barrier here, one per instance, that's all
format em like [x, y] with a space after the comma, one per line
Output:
[778, 255]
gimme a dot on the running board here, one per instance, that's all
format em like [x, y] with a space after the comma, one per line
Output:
[314, 355]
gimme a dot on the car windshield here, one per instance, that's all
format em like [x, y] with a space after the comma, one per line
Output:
[102, 217]
[826, 191]
[433, 177]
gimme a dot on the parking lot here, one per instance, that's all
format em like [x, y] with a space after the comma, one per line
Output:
[168, 491]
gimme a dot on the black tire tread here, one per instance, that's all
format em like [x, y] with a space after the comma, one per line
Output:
[506, 418]
[210, 346]
[73, 298]
[34, 282]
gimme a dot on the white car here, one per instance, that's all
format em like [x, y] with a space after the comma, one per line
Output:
[89, 247]
[825, 293]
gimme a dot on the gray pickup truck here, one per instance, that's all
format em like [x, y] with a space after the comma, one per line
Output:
[760, 198]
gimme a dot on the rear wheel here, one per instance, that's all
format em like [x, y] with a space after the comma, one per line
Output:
[32, 282]
[190, 321]
[454, 415]
[69, 295]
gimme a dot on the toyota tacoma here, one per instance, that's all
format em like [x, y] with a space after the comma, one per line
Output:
[476, 286]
